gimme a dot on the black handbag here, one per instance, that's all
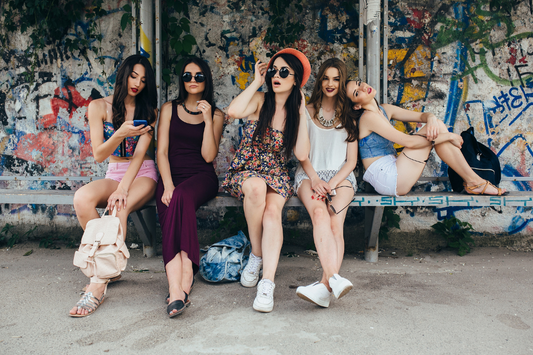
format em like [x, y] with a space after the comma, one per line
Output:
[480, 158]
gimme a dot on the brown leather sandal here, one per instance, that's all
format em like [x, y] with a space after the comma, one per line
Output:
[470, 189]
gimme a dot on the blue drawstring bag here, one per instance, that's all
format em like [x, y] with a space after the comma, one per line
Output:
[225, 260]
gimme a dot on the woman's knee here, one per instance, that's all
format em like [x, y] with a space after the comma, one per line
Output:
[83, 201]
[272, 213]
[254, 190]
[319, 215]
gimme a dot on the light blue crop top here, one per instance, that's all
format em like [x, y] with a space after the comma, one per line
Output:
[129, 144]
[375, 145]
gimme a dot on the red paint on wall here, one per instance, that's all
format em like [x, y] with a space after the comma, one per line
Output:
[70, 99]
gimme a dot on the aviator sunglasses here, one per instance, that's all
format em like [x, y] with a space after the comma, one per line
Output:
[283, 72]
[198, 77]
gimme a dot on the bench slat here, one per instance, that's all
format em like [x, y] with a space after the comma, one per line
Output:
[429, 199]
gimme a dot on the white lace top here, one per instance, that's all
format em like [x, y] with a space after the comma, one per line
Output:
[327, 154]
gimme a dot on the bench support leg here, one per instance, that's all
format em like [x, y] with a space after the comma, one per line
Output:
[145, 221]
[373, 216]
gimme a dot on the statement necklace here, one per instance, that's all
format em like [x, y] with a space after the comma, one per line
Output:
[189, 112]
[323, 121]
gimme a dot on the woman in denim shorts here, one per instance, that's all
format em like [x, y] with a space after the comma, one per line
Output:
[395, 176]
[131, 175]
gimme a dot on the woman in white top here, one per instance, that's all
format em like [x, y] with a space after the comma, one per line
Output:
[325, 182]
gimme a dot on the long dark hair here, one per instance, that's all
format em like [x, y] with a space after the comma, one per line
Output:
[292, 106]
[342, 103]
[353, 116]
[208, 94]
[145, 101]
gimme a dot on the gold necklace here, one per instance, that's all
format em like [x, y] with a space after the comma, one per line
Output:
[323, 121]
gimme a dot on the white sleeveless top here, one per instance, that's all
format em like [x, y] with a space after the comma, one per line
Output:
[327, 154]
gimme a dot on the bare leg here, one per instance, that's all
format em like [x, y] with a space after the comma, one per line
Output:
[272, 233]
[187, 272]
[141, 191]
[175, 276]
[322, 233]
[409, 171]
[89, 197]
[255, 190]
[343, 198]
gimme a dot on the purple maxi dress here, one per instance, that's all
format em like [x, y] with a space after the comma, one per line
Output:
[195, 183]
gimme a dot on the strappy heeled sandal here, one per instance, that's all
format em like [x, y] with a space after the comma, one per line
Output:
[178, 305]
[89, 303]
[470, 189]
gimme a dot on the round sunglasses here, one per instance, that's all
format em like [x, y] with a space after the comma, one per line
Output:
[283, 72]
[198, 77]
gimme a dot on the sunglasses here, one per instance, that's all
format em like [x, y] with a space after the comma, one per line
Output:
[330, 200]
[283, 72]
[198, 77]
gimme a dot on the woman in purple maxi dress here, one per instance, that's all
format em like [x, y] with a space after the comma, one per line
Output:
[188, 137]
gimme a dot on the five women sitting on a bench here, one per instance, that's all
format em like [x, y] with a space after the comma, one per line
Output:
[325, 136]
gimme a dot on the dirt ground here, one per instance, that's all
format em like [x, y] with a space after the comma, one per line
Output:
[436, 303]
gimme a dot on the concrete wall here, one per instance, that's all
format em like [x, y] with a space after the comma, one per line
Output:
[470, 63]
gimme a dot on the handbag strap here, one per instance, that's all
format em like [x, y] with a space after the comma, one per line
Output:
[114, 211]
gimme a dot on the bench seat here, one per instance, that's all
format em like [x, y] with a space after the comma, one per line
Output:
[145, 219]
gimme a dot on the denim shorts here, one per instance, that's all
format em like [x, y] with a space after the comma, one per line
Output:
[116, 171]
[383, 175]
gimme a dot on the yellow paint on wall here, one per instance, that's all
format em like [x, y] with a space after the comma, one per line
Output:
[417, 62]
[242, 80]
[146, 45]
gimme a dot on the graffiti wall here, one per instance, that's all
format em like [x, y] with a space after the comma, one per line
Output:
[469, 62]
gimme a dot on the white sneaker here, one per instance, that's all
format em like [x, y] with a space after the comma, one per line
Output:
[250, 274]
[316, 293]
[339, 285]
[264, 301]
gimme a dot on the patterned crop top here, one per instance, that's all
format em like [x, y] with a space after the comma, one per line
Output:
[127, 146]
[375, 145]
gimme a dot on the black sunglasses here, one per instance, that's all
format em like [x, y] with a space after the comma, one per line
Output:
[283, 72]
[198, 77]
[330, 198]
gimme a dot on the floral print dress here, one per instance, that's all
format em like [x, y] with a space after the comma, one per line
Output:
[264, 159]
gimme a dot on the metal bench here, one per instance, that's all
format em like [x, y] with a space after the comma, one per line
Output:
[374, 204]
[144, 219]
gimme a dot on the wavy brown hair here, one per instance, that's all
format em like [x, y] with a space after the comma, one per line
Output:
[342, 103]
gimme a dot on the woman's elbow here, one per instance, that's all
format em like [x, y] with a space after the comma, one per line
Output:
[301, 155]
[232, 112]
[99, 157]
[209, 158]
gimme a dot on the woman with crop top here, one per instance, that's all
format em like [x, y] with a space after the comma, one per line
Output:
[325, 182]
[395, 176]
[258, 174]
[188, 135]
[131, 175]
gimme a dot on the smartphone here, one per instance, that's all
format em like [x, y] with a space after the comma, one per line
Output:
[140, 123]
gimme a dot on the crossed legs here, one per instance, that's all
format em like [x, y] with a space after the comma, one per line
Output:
[410, 164]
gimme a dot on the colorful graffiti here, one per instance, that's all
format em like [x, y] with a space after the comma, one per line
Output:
[469, 62]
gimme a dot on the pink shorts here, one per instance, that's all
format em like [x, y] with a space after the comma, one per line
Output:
[116, 171]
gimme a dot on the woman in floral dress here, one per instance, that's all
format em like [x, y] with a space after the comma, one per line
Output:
[258, 174]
